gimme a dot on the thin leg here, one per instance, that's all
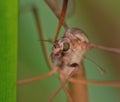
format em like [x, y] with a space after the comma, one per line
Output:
[56, 11]
[58, 90]
[37, 78]
[41, 36]
[55, 93]
[63, 82]
[34, 10]
[37, 19]
[113, 50]
[63, 86]
[61, 17]
[101, 83]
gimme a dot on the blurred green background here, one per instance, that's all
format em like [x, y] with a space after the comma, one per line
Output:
[99, 19]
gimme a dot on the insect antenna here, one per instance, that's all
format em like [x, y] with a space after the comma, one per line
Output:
[99, 68]
[48, 41]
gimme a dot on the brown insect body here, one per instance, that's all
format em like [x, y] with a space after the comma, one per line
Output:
[69, 61]
[76, 42]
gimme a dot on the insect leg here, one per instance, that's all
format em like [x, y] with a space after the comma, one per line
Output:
[113, 50]
[100, 83]
[38, 23]
[61, 16]
[41, 35]
[37, 78]
[56, 11]
[63, 82]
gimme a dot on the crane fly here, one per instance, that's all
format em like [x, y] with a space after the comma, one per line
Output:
[67, 56]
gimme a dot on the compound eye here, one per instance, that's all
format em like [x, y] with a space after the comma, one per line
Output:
[66, 46]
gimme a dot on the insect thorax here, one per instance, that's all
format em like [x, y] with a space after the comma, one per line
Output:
[70, 49]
